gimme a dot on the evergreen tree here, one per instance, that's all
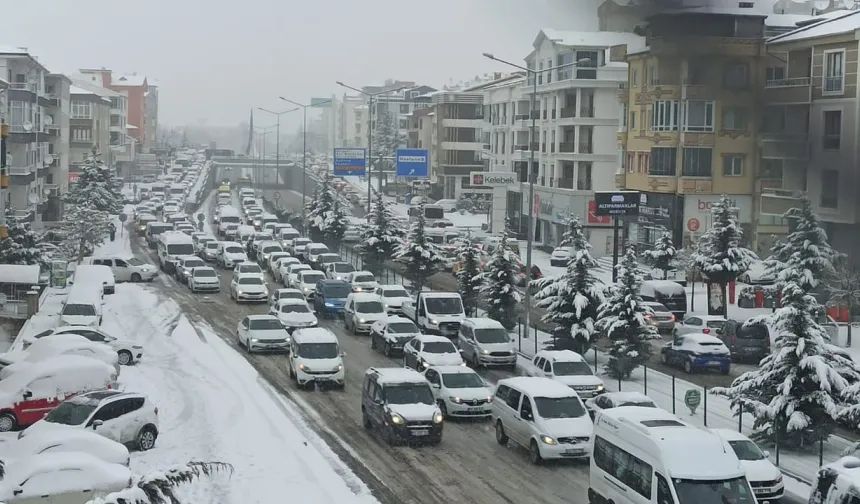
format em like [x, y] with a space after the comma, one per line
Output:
[380, 236]
[469, 280]
[161, 487]
[387, 138]
[319, 209]
[499, 284]
[336, 222]
[572, 300]
[662, 256]
[420, 255]
[96, 187]
[21, 246]
[719, 254]
[624, 319]
[84, 227]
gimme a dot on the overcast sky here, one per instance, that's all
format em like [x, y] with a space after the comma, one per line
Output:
[216, 59]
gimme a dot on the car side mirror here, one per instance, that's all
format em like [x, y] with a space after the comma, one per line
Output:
[527, 416]
[377, 402]
[18, 492]
[97, 424]
[436, 386]
[27, 394]
[343, 354]
[719, 330]
[766, 454]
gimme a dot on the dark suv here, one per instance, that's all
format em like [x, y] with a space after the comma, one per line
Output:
[746, 342]
[399, 403]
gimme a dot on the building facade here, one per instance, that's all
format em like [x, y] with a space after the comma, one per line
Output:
[151, 115]
[56, 183]
[89, 124]
[136, 89]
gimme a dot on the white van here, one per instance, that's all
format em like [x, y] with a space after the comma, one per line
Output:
[543, 416]
[648, 455]
[83, 306]
[171, 246]
[127, 268]
[227, 215]
[315, 348]
[95, 274]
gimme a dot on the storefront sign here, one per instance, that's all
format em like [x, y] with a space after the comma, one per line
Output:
[593, 218]
[617, 203]
[700, 206]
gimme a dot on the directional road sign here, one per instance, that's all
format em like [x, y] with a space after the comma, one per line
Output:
[350, 161]
[414, 163]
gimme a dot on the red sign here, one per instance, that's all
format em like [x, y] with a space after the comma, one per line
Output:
[693, 225]
[74, 176]
[477, 179]
[593, 218]
[536, 209]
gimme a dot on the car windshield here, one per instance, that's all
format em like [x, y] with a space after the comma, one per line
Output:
[571, 369]
[408, 393]
[641, 404]
[302, 241]
[729, 491]
[290, 295]
[754, 332]
[234, 250]
[299, 267]
[250, 268]
[318, 350]
[402, 327]
[439, 347]
[193, 263]
[250, 281]
[462, 380]
[295, 308]
[312, 278]
[559, 407]
[369, 307]
[134, 261]
[212, 245]
[746, 450]
[494, 335]
[208, 273]
[715, 324]
[395, 293]
[329, 258]
[317, 250]
[83, 310]
[265, 324]
[337, 291]
[444, 306]
[180, 249]
[364, 278]
[343, 268]
[73, 412]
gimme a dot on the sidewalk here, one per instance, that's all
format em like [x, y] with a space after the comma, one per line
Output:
[715, 411]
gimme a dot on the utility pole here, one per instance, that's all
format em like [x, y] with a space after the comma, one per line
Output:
[4, 179]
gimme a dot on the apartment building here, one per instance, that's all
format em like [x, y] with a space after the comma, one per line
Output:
[352, 122]
[89, 123]
[810, 127]
[136, 89]
[151, 115]
[56, 183]
[400, 105]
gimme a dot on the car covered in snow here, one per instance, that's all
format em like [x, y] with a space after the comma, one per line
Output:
[611, 400]
[282, 270]
[280, 294]
[64, 441]
[393, 296]
[274, 259]
[230, 253]
[391, 334]
[567, 367]
[61, 478]
[127, 351]
[429, 350]
[560, 256]
[292, 277]
[705, 324]
[697, 352]
[459, 391]
[28, 395]
[53, 346]
[338, 270]
[362, 281]
[764, 477]
[293, 313]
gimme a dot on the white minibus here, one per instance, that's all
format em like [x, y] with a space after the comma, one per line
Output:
[171, 246]
[227, 215]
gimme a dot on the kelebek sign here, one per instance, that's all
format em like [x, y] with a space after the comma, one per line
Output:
[699, 207]
[493, 179]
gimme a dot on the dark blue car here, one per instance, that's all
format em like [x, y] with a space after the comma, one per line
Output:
[697, 352]
[330, 297]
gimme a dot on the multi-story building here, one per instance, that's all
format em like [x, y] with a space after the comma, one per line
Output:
[136, 89]
[352, 122]
[151, 115]
[89, 123]
[57, 87]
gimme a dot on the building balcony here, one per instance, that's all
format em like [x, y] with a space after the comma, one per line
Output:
[117, 112]
[623, 92]
[568, 112]
[465, 123]
[117, 129]
[22, 175]
[691, 45]
[567, 147]
[696, 185]
[793, 90]
[473, 146]
[621, 138]
[784, 145]
[81, 142]
[779, 201]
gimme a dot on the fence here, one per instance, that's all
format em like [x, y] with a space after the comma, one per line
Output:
[386, 277]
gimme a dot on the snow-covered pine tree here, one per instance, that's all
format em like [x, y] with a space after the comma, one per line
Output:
[319, 208]
[420, 255]
[336, 222]
[719, 254]
[84, 227]
[572, 300]
[96, 187]
[623, 319]
[469, 280]
[21, 246]
[499, 288]
[387, 138]
[662, 256]
[161, 487]
[380, 236]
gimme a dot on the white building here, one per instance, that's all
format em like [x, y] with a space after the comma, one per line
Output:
[89, 124]
[577, 115]
[352, 122]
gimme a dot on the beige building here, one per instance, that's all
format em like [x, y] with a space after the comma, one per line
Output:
[89, 123]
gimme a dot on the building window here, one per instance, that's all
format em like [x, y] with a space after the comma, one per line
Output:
[733, 165]
[631, 161]
[653, 73]
[829, 188]
[403, 124]
[834, 71]
[664, 115]
[663, 161]
[774, 74]
[832, 129]
[697, 162]
[82, 134]
[699, 115]
[587, 69]
[771, 169]
[734, 119]
[81, 110]
[17, 115]
[413, 94]
[736, 75]
[565, 63]
[634, 77]
[404, 108]
[644, 159]
[633, 120]
[583, 176]
[623, 119]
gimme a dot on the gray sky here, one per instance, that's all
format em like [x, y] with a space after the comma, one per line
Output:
[216, 59]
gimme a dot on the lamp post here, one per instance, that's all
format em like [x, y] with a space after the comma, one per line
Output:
[278, 134]
[263, 131]
[370, 97]
[304, 108]
[532, 147]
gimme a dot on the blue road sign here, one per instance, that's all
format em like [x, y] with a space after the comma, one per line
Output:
[413, 163]
[350, 162]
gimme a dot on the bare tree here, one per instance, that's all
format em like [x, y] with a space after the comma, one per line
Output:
[844, 286]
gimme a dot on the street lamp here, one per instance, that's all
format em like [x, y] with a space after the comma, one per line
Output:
[278, 134]
[370, 97]
[304, 108]
[263, 131]
[532, 145]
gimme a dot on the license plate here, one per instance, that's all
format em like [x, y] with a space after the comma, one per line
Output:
[421, 432]
[475, 407]
[714, 363]
[574, 451]
[761, 490]
[322, 378]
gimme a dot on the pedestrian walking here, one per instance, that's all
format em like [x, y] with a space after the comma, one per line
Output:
[112, 231]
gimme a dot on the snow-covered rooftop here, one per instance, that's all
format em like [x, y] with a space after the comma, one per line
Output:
[591, 38]
[538, 387]
[843, 23]
[128, 80]
[19, 274]
[786, 20]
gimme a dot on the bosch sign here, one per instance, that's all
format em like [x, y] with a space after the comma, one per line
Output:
[617, 203]
[493, 179]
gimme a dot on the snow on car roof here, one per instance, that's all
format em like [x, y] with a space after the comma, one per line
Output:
[484, 323]
[392, 287]
[69, 440]
[453, 369]
[247, 263]
[666, 285]
[314, 335]
[560, 355]
[264, 316]
[621, 397]
[364, 296]
[730, 434]
[703, 338]
[292, 301]
[538, 387]
[284, 291]
[74, 471]
[397, 375]
[397, 318]
[710, 317]
[362, 272]
[439, 294]
[429, 338]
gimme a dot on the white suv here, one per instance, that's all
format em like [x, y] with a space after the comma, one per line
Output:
[127, 352]
[125, 417]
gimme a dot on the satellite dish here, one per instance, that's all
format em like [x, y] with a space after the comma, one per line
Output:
[33, 198]
[28, 126]
[49, 120]
[48, 159]
[821, 4]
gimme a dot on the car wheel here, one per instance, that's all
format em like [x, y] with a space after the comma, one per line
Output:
[442, 408]
[125, 358]
[534, 453]
[501, 437]
[292, 373]
[688, 367]
[365, 420]
[146, 438]
[248, 347]
[135, 277]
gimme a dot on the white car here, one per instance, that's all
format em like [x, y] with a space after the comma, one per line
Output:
[392, 333]
[293, 313]
[292, 278]
[757, 274]
[248, 287]
[361, 311]
[280, 294]
[248, 268]
[313, 252]
[764, 477]
[46, 478]
[231, 253]
[307, 282]
[128, 269]
[265, 249]
[204, 279]
[459, 391]
[185, 264]
[611, 400]
[560, 256]
[362, 281]
[53, 346]
[298, 246]
[706, 324]
[274, 259]
[127, 352]
[129, 418]
[427, 350]
[282, 272]
[569, 368]
[393, 297]
[65, 441]
[338, 270]
[262, 333]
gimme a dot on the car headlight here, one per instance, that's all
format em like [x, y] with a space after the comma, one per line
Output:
[455, 400]
[338, 368]
[425, 364]
[438, 418]
[485, 351]
[434, 321]
[306, 289]
[601, 388]
[362, 321]
[254, 340]
[240, 292]
[329, 305]
[397, 419]
[489, 399]
[303, 367]
[548, 440]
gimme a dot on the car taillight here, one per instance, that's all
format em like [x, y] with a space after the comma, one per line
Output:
[706, 331]
[672, 318]
[649, 316]
[109, 386]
